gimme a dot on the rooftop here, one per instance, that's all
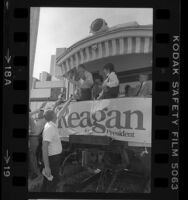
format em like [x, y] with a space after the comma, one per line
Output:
[125, 26]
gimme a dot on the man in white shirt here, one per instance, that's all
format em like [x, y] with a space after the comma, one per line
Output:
[52, 149]
[84, 84]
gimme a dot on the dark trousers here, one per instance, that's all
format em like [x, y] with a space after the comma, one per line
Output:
[54, 162]
[111, 93]
[85, 94]
[34, 143]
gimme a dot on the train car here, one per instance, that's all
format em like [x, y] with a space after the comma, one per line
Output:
[115, 133]
[110, 138]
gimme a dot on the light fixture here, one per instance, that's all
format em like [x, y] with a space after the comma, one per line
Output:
[98, 25]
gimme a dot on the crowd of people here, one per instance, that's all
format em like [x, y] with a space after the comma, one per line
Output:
[45, 148]
[90, 88]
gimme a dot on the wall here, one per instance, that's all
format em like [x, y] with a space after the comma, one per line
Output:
[34, 82]
[34, 22]
[58, 71]
[52, 64]
[45, 76]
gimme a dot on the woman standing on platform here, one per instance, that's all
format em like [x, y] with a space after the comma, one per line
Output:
[110, 84]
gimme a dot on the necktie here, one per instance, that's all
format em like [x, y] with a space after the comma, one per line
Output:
[107, 78]
[139, 89]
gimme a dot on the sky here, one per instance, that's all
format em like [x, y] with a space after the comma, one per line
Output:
[62, 27]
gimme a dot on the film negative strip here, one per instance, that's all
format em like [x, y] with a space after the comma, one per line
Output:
[121, 144]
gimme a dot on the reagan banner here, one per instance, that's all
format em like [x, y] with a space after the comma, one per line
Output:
[125, 119]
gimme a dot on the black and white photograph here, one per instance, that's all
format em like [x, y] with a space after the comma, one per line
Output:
[90, 100]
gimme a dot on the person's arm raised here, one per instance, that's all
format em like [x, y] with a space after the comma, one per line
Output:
[88, 80]
[57, 103]
[34, 112]
[63, 109]
[38, 110]
[76, 83]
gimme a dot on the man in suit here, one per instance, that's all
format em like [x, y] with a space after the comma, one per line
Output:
[144, 89]
[84, 84]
